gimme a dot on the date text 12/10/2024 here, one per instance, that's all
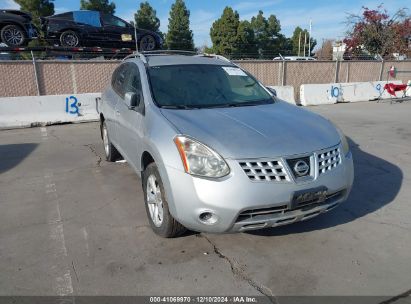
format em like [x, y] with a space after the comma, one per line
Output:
[205, 299]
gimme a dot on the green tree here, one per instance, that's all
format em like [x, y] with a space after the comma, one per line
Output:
[37, 8]
[179, 35]
[246, 46]
[98, 5]
[298, 42]
[146, 18]
[223, 32]
[268, 38]
[232, 37]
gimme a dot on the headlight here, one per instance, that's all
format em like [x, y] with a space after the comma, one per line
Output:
[198, 159]
[344, 141]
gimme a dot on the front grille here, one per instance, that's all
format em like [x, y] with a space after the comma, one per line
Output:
[265, 170]
[328, 160]
[262, 211]
[284, 210]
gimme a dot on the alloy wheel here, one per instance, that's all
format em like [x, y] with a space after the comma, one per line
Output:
[13, 36]
[70, 39]
[148, 43]
[154, 200]
[105, 141]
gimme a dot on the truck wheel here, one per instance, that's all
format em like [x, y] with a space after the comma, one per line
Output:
[13, 35]
[69, 39]
[109, 150]
[158, 213]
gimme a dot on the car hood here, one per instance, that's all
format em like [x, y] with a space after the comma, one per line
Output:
[261, 131]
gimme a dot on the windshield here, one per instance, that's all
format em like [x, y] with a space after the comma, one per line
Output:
[205, 86]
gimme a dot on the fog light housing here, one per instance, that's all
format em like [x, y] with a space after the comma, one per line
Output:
[208, 218]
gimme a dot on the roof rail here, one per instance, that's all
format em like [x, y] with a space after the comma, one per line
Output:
[142, 55]
[221, 57]
[171, 52]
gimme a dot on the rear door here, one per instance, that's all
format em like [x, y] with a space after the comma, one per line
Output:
[130, 121]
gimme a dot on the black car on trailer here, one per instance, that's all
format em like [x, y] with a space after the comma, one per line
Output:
[16, 28]
[93, 28]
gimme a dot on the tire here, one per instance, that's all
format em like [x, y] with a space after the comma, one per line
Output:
[69, 39]
[109, 150]
[13, 35]
[164, 224]
[148, 43]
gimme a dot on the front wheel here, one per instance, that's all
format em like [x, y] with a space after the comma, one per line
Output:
[69, 39]
[147, 43]
[109, 150]
[158, 213]
[13, 35]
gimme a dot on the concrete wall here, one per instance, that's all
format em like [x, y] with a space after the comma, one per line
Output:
[318, 94]
[27, 111]
[285, 93]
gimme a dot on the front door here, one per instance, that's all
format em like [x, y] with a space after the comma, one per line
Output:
[130, 121]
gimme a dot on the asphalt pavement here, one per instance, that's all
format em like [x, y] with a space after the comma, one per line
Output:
[73, 224]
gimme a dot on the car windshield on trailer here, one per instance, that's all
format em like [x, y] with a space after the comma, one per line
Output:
[205, 86]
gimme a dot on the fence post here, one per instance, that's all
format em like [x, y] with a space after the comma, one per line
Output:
[35, 73]
[382, 69]
[283, 73]
[337, 70]
[348, 72]
[73, 78]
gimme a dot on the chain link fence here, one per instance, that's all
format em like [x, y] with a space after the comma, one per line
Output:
[51, 77]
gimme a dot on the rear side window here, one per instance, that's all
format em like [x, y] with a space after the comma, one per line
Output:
[65, 16]
[113, 21]
[87, 17]
[118, 80]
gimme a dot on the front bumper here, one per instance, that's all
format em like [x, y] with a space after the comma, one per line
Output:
[233, 196]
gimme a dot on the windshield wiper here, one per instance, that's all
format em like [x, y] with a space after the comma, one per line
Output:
[247, 104]
[179, 107]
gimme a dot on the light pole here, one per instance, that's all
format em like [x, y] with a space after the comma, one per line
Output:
[309, 40]
[305, 40]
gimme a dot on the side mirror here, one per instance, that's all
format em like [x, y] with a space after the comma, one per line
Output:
[273, 91]
[132, 99]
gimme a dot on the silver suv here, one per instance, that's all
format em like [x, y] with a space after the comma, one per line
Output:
[216, 150]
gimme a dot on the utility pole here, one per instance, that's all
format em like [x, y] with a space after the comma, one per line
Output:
[299, 45]
[309, 40]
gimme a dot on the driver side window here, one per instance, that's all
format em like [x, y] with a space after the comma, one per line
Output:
[133, 81]
[110, 20]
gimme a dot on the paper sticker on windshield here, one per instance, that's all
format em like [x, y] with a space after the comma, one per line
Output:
[232, 71]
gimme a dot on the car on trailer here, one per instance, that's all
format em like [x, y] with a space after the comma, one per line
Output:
[16, 28]
[216, 150]
[97, 29]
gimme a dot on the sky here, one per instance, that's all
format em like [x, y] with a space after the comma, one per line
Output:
[328, 16]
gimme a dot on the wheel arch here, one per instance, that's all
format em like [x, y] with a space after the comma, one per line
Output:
[146, 159]
[5, 23]
[102, 119]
